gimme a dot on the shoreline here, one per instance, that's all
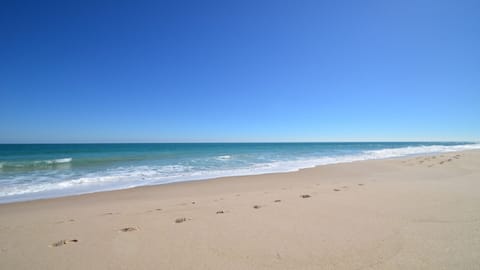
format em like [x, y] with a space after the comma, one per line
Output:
[223, 177]
[395, 213]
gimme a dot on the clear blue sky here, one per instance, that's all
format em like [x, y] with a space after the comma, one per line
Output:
[96, 71]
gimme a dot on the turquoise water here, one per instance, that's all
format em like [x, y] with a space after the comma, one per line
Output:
[31, 171]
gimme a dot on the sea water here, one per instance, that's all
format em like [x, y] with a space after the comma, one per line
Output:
[32, 171]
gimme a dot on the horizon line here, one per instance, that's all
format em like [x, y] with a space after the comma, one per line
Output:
[246, 142]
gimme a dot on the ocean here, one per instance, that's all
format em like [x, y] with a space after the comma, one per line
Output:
[33, 171]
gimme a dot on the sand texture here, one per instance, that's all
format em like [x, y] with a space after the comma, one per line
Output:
[411, 213]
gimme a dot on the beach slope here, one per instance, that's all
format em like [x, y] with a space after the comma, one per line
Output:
[413, 213]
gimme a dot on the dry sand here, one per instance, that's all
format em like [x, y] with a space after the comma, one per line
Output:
[413, 213]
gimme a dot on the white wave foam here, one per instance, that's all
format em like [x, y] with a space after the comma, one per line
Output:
[34, 164]
[119, 178]
[416, 150]
[60, 160]
[224, 157]
[126, 177]
[54, 161]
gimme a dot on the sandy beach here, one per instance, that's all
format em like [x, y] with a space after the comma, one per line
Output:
[412, 213]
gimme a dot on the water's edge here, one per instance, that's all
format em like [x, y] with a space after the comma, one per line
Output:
[374, 155]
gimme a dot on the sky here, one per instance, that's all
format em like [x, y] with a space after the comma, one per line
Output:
[239, 71]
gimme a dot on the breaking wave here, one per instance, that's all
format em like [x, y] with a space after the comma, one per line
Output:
[34, 164]
[120, 177]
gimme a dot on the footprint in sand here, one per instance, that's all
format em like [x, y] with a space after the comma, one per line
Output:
[180, 220]
[63, 221]
[156, 209]
[304, 196]
[110, 213]
[129, 229]
[63, 242]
